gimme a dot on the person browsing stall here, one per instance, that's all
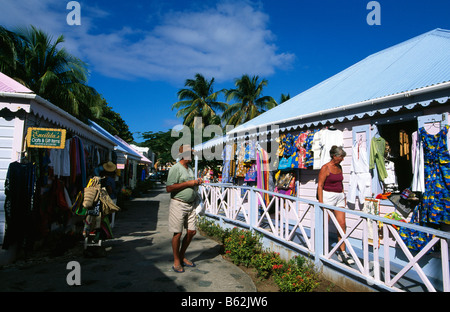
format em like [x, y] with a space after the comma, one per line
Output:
[109, 171]
[330, 191]
[183, 187]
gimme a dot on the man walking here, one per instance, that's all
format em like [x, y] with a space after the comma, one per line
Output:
[183, 187]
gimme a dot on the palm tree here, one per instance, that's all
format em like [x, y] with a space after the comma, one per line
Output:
[284, 97]
[35, 60]
[54, 73]
[249, 103]
[199, 100]
[32, 58]
[8, 52]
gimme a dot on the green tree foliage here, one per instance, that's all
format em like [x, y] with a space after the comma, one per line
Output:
[33, 58]
[113, 123]
[249, 100]
[199, 100]
[160, 143]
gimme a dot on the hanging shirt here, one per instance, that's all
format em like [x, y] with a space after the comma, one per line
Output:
[377, 149]
[316, 149]
[55, 161]
[65, 159]
[281, 143]
[417, 158]
[227, 156]
[309, 158]
[414, 148]
[250, 151]
[301, 150]
[328, 138]
[360, 178]
[391, 178]
[241, 170]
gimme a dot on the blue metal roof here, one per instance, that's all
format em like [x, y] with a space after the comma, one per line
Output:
[416, 63]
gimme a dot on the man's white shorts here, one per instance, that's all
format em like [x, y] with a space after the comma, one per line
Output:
[181, 215]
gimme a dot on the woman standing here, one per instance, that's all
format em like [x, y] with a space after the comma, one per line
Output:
[330, 191]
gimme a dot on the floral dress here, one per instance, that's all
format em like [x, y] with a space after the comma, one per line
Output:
[435, 206]
[301, 150]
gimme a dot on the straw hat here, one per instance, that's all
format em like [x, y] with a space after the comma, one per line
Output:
[109, 166]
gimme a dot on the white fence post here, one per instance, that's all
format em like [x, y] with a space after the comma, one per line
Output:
[253, 209]
[318, 235]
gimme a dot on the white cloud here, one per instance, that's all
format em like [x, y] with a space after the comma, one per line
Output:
[224, 42]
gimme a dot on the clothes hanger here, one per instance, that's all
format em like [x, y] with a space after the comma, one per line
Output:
[433, 124]
[376, 133]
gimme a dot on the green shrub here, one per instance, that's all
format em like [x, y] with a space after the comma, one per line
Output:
[241, 245]
[298, 275]
[211, 229]
[244, 247]
[266, 262]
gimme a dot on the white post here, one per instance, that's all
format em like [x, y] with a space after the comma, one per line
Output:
[318, 235]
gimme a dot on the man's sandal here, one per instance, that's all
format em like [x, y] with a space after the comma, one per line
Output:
[191, 264]
[178, 269]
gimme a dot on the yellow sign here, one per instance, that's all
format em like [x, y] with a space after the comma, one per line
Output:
[46, 138]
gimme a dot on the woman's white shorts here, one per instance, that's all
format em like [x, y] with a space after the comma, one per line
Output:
[334, 199]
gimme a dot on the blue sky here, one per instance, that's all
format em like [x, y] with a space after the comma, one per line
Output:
[141, 52]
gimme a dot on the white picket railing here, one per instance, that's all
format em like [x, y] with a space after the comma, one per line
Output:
[300, 223]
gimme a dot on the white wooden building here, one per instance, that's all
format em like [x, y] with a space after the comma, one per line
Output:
[20, 109]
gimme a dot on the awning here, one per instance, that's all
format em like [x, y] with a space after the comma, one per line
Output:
[143, 159]
[120, 147]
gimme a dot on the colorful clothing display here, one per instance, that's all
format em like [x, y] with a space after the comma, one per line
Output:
[309, 157]
[263, 172]
[289, 145]
[301, 150]
[435, 206]
[281, 144]
[228, 164]
[20, 185]
[77, 161]
[250, 151]
[241, 169]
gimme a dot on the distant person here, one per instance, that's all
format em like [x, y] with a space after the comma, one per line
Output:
[330, 191]
[183, 187]
[110, 179]
[109, 182]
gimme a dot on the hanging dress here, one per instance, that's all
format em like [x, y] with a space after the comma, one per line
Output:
[435, 207]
